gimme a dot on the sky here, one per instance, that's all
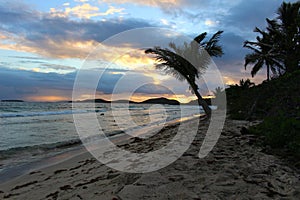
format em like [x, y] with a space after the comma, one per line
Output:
[44, 44]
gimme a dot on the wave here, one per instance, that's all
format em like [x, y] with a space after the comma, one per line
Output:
[39, 148]
[46, 113]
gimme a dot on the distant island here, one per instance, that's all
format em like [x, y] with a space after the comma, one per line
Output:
[160, 100]
[12, 100]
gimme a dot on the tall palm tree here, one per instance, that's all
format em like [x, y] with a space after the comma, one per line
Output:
[279, 46]
[288, 27]
[189, 61]
[263, 54]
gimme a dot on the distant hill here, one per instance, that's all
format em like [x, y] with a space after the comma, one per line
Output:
[124, 101]
[101, 101]
[160, 101]
[95, 100]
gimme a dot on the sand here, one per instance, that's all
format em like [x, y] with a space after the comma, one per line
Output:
[235, 169]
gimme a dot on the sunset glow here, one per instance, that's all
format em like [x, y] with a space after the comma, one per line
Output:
[47, 98]
[43, 49]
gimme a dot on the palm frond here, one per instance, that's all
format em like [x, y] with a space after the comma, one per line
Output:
[251, 58]
[257, 67]
[200, 37]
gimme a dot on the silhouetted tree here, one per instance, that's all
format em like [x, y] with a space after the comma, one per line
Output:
[287, 30]
[219, 94]
[246, 84]
[189, 61]
[278, 47]
[263, 54]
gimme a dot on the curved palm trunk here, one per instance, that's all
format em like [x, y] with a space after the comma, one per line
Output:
[201, 101]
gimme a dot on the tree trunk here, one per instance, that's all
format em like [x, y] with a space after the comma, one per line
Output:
[291, 62]
[268, 72]
[201, 101]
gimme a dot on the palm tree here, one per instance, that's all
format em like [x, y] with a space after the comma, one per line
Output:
[288, 27]
[263, 54]
[219, 94]
[245, 84]
[188, 62]
[279, 46]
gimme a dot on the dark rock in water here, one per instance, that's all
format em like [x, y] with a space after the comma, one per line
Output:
[245, 131]
[102, 114]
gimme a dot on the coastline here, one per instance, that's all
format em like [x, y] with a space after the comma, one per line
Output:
[234, 169]
[61, 155]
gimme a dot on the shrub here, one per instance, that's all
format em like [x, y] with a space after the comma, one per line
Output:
[280, 132]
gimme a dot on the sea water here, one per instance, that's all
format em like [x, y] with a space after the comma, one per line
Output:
[30, 131]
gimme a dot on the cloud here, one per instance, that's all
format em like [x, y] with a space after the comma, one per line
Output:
[246, 15]
[84, 11]
[169, 4]
[37, 86]
[82, 1]
[58, 67]
[28, 85]
[209, 22]
[153, 89]
[66, 4]
[154, 3]
[24, 29]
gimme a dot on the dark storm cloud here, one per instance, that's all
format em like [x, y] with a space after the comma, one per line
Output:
[247, 15]
[233, 59]
[153, 89]
[20, 84]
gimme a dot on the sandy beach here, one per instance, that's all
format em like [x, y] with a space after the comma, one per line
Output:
[235, 169]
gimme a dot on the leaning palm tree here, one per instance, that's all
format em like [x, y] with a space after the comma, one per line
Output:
[188, 62]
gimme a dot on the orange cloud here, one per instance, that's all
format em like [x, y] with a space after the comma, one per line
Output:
[229, 81]
[133, 59]
[51, 48]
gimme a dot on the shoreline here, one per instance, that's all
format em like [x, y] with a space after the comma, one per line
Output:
[44, 162]
[234, 169]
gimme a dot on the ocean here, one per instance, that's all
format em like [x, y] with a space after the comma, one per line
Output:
[31, 131]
